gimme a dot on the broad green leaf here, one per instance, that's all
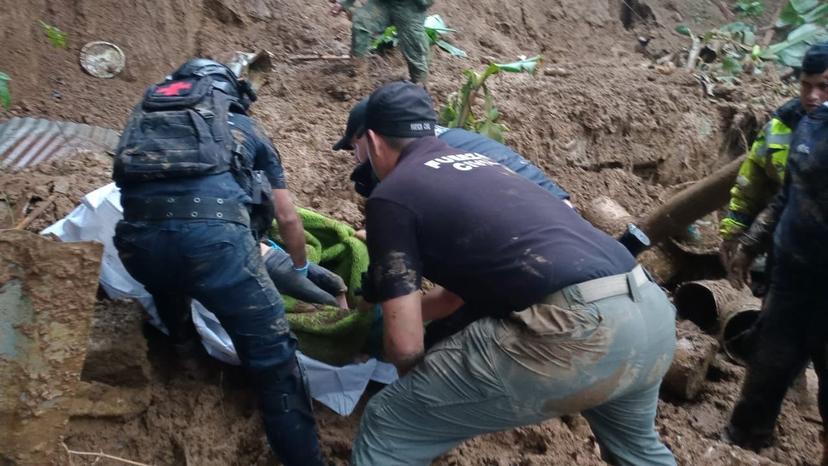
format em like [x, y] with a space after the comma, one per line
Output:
[451, 49]
[792, 56]
[528, 65]
[5, 95]
[684, 30]
[436, 23]
[817, 14]
[806, 32]
[789, 17]
[804, 6]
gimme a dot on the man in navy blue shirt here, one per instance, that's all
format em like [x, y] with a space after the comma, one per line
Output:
[195, 173]
[568, 321]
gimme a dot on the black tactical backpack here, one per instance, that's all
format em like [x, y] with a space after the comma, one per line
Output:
[180, 129]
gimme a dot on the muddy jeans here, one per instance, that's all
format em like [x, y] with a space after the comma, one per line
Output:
[604, 359]
[220, 264]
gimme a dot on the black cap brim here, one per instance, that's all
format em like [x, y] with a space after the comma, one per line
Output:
[355, 126]
[343, 144]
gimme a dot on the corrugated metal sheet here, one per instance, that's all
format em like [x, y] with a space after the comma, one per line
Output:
[25, 142]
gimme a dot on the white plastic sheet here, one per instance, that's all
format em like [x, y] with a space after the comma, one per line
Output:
[338, 388]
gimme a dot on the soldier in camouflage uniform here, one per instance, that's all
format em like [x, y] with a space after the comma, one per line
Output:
[374, 16]
[795, 328]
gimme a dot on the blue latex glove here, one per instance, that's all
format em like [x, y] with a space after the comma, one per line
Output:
[303, 271]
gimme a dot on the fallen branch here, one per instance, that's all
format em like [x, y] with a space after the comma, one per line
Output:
[35, 213]
[695, 201]
[102, 455]
[724, 9]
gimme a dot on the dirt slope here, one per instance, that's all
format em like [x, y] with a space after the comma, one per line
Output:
[602, 120]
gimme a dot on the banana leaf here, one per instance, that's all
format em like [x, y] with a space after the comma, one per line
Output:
[5, 95]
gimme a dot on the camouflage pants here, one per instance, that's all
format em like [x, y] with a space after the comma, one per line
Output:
[407, 16]
[603, 358]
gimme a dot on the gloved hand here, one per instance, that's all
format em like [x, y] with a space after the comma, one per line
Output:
[303, 286]
[303, 271]
[738, 268]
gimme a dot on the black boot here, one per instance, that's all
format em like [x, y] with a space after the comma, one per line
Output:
[287, 414]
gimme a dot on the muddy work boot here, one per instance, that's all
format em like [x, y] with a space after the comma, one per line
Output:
[288, 414]
[735, 436]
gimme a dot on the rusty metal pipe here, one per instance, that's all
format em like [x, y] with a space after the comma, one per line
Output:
[701, 302]
[736, 317]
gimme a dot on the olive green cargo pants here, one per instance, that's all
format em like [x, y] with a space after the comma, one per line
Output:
[408, 16]
[604, 359]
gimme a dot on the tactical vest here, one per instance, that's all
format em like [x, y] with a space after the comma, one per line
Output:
[181, 130]
[178, 130]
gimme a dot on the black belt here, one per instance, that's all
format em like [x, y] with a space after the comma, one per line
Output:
[189, 208]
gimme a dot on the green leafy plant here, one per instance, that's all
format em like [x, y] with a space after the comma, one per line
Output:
[733, 47]
[55, 35]
[799, 12]
[459, 111]
[725, 51]
[749, 8]
[435, 29]
[5, 95]
[807, 23]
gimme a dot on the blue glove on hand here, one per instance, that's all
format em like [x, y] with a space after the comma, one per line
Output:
[302, 271]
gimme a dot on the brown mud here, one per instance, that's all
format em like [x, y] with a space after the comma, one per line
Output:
[599, 117]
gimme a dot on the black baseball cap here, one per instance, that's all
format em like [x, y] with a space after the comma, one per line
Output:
[401, 109]
[816, 59]
[354, 127]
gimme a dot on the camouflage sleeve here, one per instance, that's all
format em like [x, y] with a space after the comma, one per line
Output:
[751, 192]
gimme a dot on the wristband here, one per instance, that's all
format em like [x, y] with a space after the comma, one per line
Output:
[302, 270]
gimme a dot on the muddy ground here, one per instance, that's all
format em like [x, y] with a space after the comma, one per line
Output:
[599, 118]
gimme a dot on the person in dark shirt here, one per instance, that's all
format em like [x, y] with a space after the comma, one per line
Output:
[794, 326]
[193, 168]
[365, 181]
[569, 322]
[458, 138]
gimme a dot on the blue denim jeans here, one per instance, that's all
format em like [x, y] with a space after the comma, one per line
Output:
[220, 264]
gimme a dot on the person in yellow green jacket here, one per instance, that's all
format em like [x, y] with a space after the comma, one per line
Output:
[762, 172]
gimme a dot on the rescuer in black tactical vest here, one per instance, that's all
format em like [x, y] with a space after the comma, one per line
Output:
[200, 182]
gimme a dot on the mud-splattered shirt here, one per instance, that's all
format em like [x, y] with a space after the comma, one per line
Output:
[800, 236]
[255, 145]
[480, 230]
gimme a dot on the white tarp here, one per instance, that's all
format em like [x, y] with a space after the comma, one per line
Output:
[338, 388]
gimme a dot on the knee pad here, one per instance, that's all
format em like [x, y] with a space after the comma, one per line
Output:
[284, 388]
